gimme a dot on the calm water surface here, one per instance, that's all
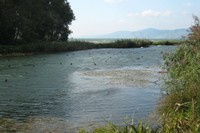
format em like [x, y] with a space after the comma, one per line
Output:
[81, 88]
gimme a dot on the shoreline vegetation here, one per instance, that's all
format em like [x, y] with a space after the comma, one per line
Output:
[77, 45]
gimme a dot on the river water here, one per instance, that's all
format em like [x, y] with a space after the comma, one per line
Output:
[65, 91]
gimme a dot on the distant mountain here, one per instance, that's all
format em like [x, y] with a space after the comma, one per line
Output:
[147, 34]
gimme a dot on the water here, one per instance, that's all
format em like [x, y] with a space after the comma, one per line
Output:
[80, 89]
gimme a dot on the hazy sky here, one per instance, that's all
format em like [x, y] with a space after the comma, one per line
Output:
[96, 17]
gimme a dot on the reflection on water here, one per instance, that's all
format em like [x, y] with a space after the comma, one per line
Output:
[76, 89]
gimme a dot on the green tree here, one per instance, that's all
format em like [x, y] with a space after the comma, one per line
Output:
[34, 20]
[7, 21]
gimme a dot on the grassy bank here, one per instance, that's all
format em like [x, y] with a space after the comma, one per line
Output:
[34, 48]
[128, 128]
[181, 107]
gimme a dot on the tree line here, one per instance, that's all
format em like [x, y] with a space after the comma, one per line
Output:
[25, 21]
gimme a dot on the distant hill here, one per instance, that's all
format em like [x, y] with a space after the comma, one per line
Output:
[150, 33]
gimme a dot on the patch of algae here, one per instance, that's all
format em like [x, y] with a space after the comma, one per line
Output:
[127, 77]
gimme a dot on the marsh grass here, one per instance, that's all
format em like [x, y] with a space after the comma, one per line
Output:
[127, 128]
[75, 45]
[168, 42]
[181, 105]
[183, 118]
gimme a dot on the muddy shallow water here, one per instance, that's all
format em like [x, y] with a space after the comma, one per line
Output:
[65, 91]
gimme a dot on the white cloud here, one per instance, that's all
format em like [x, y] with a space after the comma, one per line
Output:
[150, 13]
[113, 1]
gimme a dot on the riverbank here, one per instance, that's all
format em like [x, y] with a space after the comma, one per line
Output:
[76, 45]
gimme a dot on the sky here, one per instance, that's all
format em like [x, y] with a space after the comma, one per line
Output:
[98, 17]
